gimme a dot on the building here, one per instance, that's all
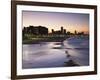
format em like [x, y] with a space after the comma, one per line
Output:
[36, 30]
[53, 31]
[75, 32]
[62, 31]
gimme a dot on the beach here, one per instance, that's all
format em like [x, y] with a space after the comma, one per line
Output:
[73, 51]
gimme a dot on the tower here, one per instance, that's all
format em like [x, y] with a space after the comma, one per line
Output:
[62, 31]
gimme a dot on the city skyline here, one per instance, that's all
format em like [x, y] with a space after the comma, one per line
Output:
[54, 20]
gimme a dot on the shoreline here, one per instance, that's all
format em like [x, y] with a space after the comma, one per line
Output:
[37, 41]
[46, 39]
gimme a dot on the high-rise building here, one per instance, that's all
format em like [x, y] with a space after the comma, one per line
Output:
[62, 30]
[52, 30]
[75, 32]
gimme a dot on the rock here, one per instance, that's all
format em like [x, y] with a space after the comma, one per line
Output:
[71, 63]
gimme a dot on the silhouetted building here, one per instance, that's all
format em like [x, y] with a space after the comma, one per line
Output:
[68, 33]
[75, 32]
[80, 33]
[57, 32]
[42, 30]
[52, 30]
[62, 31]
[36, 30]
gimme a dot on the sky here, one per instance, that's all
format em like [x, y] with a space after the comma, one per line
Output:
[54, 20]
